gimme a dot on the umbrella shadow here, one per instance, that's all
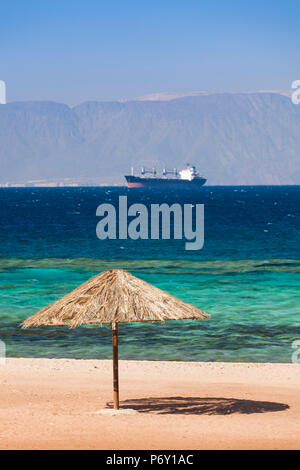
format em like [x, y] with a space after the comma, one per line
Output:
[201, 406]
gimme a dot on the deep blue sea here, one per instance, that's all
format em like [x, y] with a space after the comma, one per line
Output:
[246, 276]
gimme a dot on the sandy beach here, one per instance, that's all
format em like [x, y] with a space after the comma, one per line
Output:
[53, 404]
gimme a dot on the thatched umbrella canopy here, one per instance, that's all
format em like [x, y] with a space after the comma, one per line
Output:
[114, 296]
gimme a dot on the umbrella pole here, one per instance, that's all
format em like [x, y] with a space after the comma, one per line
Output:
[115, 365]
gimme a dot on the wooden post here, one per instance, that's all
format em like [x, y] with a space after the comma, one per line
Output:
[115, 365]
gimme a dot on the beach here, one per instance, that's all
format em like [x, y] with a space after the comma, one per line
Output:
[55, 404]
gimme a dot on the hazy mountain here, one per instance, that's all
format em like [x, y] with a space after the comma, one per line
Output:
[164, 96]
[167, 96]
[232, 138]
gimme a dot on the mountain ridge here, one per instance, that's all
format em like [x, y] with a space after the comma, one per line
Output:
[234, 138]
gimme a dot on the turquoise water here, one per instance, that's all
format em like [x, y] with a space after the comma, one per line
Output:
[253, 301]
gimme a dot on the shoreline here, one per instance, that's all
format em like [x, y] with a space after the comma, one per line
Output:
[53, 404]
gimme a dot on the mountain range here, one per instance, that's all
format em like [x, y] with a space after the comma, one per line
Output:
[233, 138]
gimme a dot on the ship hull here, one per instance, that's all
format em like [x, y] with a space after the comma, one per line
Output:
[141, 182]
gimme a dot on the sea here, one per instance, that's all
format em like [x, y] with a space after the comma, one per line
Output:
[246, 276]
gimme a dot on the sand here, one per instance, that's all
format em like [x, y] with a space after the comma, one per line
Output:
[54, 404]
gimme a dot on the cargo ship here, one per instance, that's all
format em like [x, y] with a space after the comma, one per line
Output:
[185, 178]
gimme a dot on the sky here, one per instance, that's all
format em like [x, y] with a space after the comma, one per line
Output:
[72, 51]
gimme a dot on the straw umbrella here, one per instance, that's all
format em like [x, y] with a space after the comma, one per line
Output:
[114, 296]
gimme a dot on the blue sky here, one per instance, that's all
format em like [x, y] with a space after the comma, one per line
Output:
[73, 51]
